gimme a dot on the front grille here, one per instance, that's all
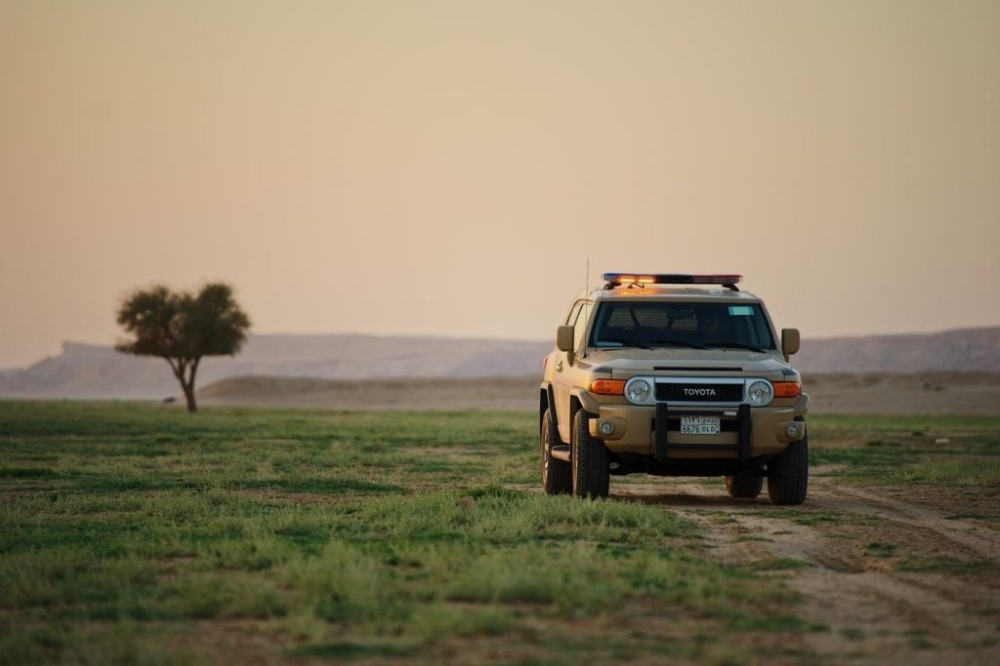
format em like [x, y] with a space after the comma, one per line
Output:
[699, 392]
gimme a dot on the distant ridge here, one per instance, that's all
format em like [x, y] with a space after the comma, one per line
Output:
[967, 350]
[93, 371]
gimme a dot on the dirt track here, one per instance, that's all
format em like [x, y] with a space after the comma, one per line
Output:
[894, 581]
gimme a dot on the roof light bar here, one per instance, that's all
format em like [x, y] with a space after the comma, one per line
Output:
[619, 279]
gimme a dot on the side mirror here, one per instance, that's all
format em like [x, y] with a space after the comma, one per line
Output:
[564, 338]
[790, 341]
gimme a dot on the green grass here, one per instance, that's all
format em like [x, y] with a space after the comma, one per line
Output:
[895, 450]
[138, 534]
[949, 565]
[350, 536]
[880, 549]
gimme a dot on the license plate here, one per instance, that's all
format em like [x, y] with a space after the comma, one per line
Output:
[700, 425]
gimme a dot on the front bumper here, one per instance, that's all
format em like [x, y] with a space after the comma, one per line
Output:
[746, 432]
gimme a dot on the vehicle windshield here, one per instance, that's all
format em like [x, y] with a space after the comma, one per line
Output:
[652, 324]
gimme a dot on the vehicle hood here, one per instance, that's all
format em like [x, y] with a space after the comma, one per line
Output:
[625, 363]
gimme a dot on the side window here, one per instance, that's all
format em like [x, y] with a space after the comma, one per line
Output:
[580, 325]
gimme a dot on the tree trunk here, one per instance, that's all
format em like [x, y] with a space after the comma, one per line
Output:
[185, 369]
[189, 396]
[189, 387]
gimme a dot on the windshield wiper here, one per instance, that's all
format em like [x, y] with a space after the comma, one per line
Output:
[676, 343]
[623, 342]
[736, 345]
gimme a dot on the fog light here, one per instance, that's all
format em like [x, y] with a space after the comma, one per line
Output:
[606, 427]
[793, 430]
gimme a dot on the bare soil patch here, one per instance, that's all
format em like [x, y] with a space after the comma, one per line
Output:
[895, 577]
[869, 393]
[496, 393]
[966, 393]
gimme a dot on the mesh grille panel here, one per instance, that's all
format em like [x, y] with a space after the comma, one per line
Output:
[707, 392]
[652, 317]
[621, 318]
[685, 320]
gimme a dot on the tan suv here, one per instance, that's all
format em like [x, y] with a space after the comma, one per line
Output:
[673, 375]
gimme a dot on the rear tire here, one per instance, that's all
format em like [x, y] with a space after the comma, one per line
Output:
[744, 485]
[556, 474]
[591, 462]
[788, 474]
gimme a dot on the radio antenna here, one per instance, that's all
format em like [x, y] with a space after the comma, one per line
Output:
[586, 294]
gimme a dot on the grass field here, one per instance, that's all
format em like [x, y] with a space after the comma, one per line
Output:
[139, 534]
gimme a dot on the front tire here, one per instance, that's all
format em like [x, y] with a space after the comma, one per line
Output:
[788, 474]
[744, 485]
[556, 474]
[591, 463]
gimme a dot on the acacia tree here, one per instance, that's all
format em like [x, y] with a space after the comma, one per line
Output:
[182, 328]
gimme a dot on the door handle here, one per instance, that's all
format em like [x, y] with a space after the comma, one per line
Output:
[559, 365]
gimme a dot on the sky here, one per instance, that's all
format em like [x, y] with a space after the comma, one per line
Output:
[452, 168]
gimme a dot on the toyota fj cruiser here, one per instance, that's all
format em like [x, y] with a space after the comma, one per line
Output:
[673, 375]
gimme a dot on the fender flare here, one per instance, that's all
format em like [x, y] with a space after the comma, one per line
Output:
[586, 401]
[547, 400]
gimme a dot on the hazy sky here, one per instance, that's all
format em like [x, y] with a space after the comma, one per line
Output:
[447, 168]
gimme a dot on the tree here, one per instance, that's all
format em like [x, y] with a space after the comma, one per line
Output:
[182, 328]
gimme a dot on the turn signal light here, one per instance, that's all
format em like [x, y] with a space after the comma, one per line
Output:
[608, 387]
[787, 389]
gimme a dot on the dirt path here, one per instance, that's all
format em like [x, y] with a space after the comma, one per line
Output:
[896, 580]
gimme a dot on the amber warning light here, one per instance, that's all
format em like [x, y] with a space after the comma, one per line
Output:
[671, 278]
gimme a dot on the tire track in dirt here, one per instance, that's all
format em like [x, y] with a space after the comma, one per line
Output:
[853, 555]
[986, 543]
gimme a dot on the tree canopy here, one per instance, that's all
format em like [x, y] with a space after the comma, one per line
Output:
[182, 328]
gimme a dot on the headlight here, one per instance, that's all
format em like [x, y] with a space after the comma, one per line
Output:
[638, 391]
[760, 393]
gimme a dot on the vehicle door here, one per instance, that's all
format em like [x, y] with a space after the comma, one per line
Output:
[568, 371]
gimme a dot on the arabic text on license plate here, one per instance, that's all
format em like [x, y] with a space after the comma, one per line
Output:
[700, 425]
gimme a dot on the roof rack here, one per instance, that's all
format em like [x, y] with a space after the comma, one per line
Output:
[641, 279]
